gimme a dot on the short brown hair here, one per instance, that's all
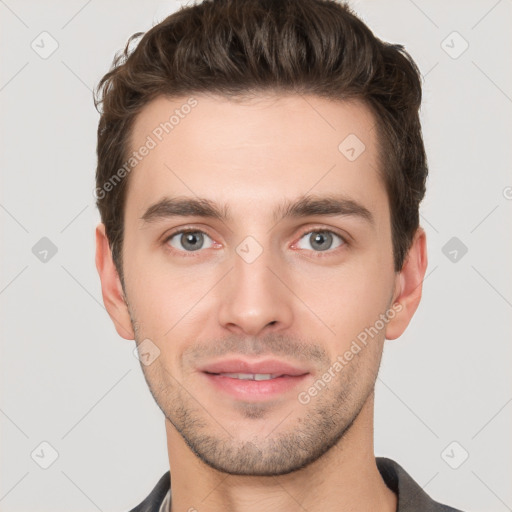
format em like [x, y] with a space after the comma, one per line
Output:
[236, 48]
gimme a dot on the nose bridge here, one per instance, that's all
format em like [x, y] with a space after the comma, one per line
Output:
[253, 297]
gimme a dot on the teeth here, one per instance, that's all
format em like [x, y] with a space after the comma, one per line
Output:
[251, 376]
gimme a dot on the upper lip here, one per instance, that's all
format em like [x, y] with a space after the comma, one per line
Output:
[272, 366]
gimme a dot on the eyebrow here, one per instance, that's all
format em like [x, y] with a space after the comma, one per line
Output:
[306, 206]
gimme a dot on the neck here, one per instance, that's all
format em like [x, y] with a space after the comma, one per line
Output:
[345, 478]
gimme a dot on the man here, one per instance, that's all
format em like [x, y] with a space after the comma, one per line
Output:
[260, 169]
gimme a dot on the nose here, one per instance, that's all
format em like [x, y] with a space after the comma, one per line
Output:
[254, 298]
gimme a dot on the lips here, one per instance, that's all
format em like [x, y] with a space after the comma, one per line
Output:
[253, 381]
[239, 366]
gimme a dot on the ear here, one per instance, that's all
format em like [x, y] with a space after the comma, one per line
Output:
[111, 289]
[409, 285]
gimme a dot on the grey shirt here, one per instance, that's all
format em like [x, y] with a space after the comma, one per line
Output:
[411, 497]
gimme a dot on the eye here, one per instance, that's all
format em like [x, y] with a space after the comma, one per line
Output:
[320, 240]
[189, 240]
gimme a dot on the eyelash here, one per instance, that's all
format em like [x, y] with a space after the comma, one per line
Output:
[318, 254]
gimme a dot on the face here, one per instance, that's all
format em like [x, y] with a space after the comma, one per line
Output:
[287, 256]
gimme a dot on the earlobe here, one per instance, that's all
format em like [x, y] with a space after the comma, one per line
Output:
[409, 285]
[111, 288]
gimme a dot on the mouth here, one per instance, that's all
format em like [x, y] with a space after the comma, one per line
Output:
[253, 370]
[252, 380]
[251, 376]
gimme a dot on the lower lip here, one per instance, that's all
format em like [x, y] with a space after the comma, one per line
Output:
[254, 389]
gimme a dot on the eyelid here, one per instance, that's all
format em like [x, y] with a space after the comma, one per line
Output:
[320, 228]
[179, 231]
[183, 229]
[316, 229]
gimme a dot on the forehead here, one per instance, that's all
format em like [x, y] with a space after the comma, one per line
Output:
[253, 152]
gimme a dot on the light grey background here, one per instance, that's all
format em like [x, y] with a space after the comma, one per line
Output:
[69, 380]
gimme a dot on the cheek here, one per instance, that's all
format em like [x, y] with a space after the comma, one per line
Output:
[348, 298]
[162, 294]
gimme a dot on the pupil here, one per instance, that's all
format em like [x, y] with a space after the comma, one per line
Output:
[321, 238]
[192, 241]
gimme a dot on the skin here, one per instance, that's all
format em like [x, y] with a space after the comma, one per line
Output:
[293, 302]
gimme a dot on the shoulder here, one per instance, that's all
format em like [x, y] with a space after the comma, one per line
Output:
[411, 497]
[154, 499]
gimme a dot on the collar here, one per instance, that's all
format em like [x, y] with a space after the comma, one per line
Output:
[411, 497]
